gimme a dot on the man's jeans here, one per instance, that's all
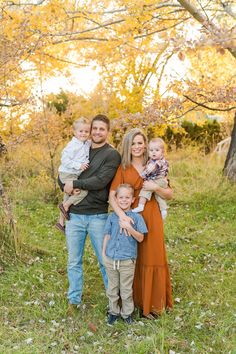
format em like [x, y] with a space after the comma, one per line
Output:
[77, 229]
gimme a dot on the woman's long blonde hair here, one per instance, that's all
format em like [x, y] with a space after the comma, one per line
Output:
[126, 157]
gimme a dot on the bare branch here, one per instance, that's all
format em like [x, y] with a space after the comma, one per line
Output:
[8, 103]
[228, 9]
[87, 30]
[161, 30]
[210, 108]
[124, 9]
[210, 26]
[37, 3]
[63, 60]
[188, 110]
[90, 39]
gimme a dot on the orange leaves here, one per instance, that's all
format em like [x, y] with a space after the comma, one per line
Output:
[181, 56]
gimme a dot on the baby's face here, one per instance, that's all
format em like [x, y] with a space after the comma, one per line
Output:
[155, 151]
[82, 132]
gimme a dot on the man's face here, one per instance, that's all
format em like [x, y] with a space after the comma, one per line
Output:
[99, 132]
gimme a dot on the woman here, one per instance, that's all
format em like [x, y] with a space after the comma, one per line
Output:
[152, 288]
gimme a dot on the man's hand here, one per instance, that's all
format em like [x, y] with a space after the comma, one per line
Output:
[76, 191]
[84, 166]
[68, 187]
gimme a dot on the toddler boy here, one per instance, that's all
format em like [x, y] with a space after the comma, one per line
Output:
[74, 160]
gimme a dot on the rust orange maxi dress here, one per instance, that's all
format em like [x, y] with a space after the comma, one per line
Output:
[152, 287]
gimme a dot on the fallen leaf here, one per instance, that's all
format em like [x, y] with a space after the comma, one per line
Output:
[92, 327]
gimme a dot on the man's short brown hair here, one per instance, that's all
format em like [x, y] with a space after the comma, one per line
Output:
[101, 118]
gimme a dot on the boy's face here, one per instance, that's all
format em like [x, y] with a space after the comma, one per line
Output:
[82, 132]
[155, 151]
[124, 198]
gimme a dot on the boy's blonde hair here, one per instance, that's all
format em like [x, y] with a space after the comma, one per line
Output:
[159, 141]
[126, 186]
[80, 121]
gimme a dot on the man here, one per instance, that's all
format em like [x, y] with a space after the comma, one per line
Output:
[90, 215]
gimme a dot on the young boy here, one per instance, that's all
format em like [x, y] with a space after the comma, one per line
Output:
[119, 255]
[156, 170]
[74, 160]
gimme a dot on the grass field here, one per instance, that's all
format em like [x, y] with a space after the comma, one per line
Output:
[200, 238]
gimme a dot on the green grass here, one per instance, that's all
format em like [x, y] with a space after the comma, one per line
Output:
[200, 238]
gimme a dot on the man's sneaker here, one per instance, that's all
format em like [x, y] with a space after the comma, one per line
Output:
[111, 319]
[128, 320]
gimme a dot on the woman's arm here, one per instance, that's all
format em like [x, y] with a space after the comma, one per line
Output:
[165, 193]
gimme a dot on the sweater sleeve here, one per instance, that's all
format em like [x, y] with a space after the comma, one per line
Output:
[103, 176]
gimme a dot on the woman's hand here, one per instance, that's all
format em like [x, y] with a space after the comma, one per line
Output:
[165, 193]
[151, 186]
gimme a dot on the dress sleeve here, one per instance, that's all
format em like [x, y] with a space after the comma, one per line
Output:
[118, 179]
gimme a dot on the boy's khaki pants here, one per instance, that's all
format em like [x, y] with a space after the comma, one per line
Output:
[72, 199]
[120, 285]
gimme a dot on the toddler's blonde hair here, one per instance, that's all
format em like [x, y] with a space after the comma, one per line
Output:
[80, 121]
[160, 141]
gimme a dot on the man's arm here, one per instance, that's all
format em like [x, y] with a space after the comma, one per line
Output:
[103, 176]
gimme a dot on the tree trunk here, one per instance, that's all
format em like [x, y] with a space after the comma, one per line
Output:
[230, 162]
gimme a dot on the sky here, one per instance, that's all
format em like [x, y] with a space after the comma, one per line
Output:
[82, 81]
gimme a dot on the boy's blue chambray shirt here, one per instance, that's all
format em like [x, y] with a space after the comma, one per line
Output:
[119, 246]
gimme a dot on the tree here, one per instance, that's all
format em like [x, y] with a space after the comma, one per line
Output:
[230, 162]
[229, 42]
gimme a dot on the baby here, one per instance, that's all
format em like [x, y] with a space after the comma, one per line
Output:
[156, 170]
[74, 160]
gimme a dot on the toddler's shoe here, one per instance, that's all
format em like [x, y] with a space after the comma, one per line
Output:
[128, 320]
[64, 212]
[60, 227]
[139, 209]
[111, 319]
[164, 214]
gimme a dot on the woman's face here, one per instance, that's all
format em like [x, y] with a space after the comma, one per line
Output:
[138, 146]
